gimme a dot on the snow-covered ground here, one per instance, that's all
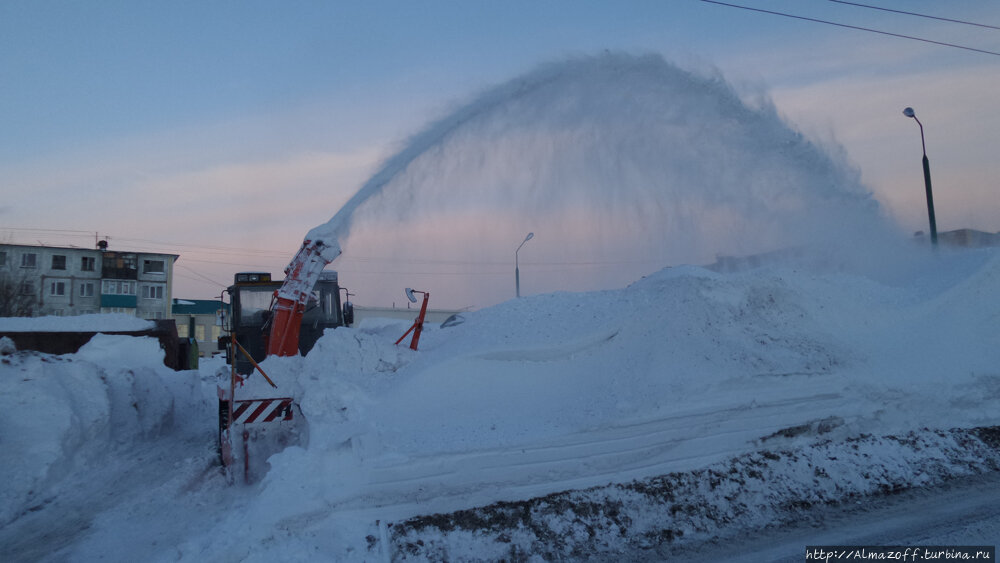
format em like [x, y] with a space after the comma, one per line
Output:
[691, 405]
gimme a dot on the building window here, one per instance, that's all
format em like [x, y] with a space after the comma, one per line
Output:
[27, 288]
[119, 260]
[28, 260]
[125, 310]
[182, 330]
[57, 288]
[152, 292]
[87, 289]
[118, 287]
[119, 266]
[58, 262]
[152, 267]
[87, 264]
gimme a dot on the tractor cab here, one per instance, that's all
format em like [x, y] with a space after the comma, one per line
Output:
[251, 297]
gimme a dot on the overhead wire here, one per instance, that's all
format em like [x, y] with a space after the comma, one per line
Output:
[201, 248]
[200, 275]
[346, 260]
[430, 261]
[848, 26]
[197, 279]
[34, 230]
[240, 264]
[212, 248]
[880, 8]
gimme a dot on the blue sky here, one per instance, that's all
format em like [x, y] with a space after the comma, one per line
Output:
[223, 131]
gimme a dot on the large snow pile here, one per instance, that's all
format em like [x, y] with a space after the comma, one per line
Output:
[750, 393]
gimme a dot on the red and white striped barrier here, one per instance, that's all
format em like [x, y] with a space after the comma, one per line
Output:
[261, 410]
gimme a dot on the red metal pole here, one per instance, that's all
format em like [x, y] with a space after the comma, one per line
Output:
[405, 333]
[246, 457]
[418, 325]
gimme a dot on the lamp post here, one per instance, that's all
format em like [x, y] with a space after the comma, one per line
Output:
[908, 112]
[517, 270]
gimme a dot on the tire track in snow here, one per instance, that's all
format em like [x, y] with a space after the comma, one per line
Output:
[672, 443]
[173, 464]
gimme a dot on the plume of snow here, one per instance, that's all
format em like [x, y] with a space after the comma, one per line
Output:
[620, 164]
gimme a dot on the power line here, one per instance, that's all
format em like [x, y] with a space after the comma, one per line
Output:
[203, 277]
[915, 14]
[349, 263]
[542, 267]
[227, 249]
[240, 264]
[88, 233]
[868, 29]
[196, 279]
[428, 262]
[354, 272]
[196, 248]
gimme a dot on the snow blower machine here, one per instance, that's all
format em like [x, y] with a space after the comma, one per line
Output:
[270, 318]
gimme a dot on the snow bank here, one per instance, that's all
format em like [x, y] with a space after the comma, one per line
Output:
[772, 487]
[59, 414]
[116, 322]
[681, 341]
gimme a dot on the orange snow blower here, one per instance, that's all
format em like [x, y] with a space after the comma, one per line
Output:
[253, 423]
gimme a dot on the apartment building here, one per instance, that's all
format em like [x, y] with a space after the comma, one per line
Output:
[65, 281]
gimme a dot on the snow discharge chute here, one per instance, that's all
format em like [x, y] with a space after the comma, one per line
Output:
[290, 302]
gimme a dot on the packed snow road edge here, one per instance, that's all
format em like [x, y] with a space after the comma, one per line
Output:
[60, 414]
[751, 491]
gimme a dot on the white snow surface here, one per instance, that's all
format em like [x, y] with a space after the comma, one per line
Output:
[108, 455]
[115, 322]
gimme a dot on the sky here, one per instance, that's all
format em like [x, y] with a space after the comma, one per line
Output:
[224, 131]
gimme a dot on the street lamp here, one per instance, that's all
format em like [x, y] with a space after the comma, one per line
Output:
[517, 270]
[908, 112]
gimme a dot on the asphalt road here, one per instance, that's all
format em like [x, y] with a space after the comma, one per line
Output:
[964, 512]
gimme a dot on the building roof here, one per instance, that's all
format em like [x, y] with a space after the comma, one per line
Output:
[119, 301]
[197, 306]
[88, 249]
[75, 248]
[970, 238]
